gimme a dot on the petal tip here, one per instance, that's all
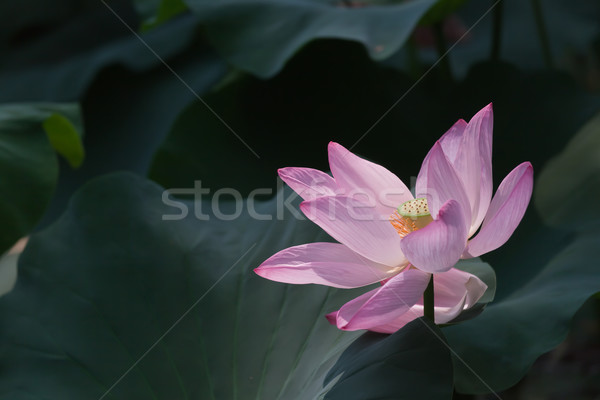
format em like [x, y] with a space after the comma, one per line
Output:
[437, 145]
[304, 205]
[333, 145]
[484, 112]
[332, 317]
[282, 172]
[307, 208]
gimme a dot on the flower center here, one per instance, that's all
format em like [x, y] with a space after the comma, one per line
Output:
[410, 216]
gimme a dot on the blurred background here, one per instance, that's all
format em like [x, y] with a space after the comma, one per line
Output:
[227, 92]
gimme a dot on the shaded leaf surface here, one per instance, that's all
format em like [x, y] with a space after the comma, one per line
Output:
[502, 343]
[28, 163]
[101, 286]
[269, 32]
[156, 12]
[375, 366]
[576, 171]
[88, 44]
[129, 97]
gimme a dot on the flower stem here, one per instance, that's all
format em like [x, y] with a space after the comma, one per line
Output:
[497, 31]
[428, 301]
[542, 32]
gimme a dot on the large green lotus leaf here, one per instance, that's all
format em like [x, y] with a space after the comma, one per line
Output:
[375, 366]
[567, 189]
[259, 36]
[120, 278]
[29, 137]
[61, 64]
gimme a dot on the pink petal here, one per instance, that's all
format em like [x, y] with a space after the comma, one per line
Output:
[505, 212]
[441, 316]
[468, 166]
[439, 245]
[366, 179]
[353, 304]
[483, 124]
[332, 317]
[384, 304]
[413, 313]
[451, 286]
[455, 291]
[309, 183]
[452, 139]
[357, 226]
[330, 264]
[469, 150]
[438, 182]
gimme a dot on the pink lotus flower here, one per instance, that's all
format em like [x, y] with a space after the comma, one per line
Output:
[388, 236]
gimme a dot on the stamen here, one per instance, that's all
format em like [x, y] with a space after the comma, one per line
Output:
[403, 226]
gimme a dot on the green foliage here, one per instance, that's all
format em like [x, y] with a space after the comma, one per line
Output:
[86, 51]
[576, 170]
[156, 12]
[128, 97]
[98, 288]
[440, 10]
[29, 137]
[501, 344]
[112, 279]
[65, 139]
[8, 272]
[414, 363]
[269, 32]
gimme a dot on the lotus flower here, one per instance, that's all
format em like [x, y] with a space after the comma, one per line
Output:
[386, 235]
